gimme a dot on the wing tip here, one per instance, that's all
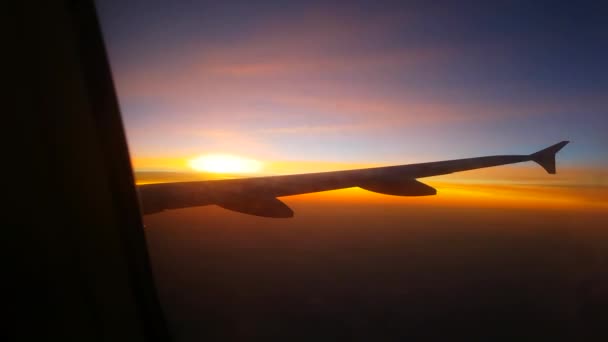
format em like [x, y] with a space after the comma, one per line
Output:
[546, 157]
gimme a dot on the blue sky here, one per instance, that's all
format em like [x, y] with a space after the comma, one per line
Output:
[360, 81]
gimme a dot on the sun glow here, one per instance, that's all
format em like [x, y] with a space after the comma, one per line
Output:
[225, 163]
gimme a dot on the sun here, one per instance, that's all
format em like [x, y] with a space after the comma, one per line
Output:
[225, 163]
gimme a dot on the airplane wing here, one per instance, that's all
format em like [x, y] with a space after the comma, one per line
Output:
[258, 195]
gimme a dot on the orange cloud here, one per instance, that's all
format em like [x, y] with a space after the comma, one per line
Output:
[505, 187]
[578, 198]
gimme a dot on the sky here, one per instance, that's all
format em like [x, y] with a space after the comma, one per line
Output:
[306, 86]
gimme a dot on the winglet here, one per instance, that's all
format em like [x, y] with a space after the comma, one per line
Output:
[546, 157]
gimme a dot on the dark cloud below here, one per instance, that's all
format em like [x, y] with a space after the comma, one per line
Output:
[361, 271]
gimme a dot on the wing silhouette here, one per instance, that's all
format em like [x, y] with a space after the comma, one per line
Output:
[258, 195]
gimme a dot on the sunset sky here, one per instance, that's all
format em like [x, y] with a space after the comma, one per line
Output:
[305, 86]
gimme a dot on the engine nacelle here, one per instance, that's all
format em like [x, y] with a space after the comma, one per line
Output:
[259, 206]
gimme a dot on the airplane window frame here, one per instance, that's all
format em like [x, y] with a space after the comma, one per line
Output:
[98, 90]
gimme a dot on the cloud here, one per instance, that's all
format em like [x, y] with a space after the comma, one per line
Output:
[330, 75]
[316, 42]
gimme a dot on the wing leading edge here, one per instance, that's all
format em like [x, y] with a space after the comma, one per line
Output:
[258, 196]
